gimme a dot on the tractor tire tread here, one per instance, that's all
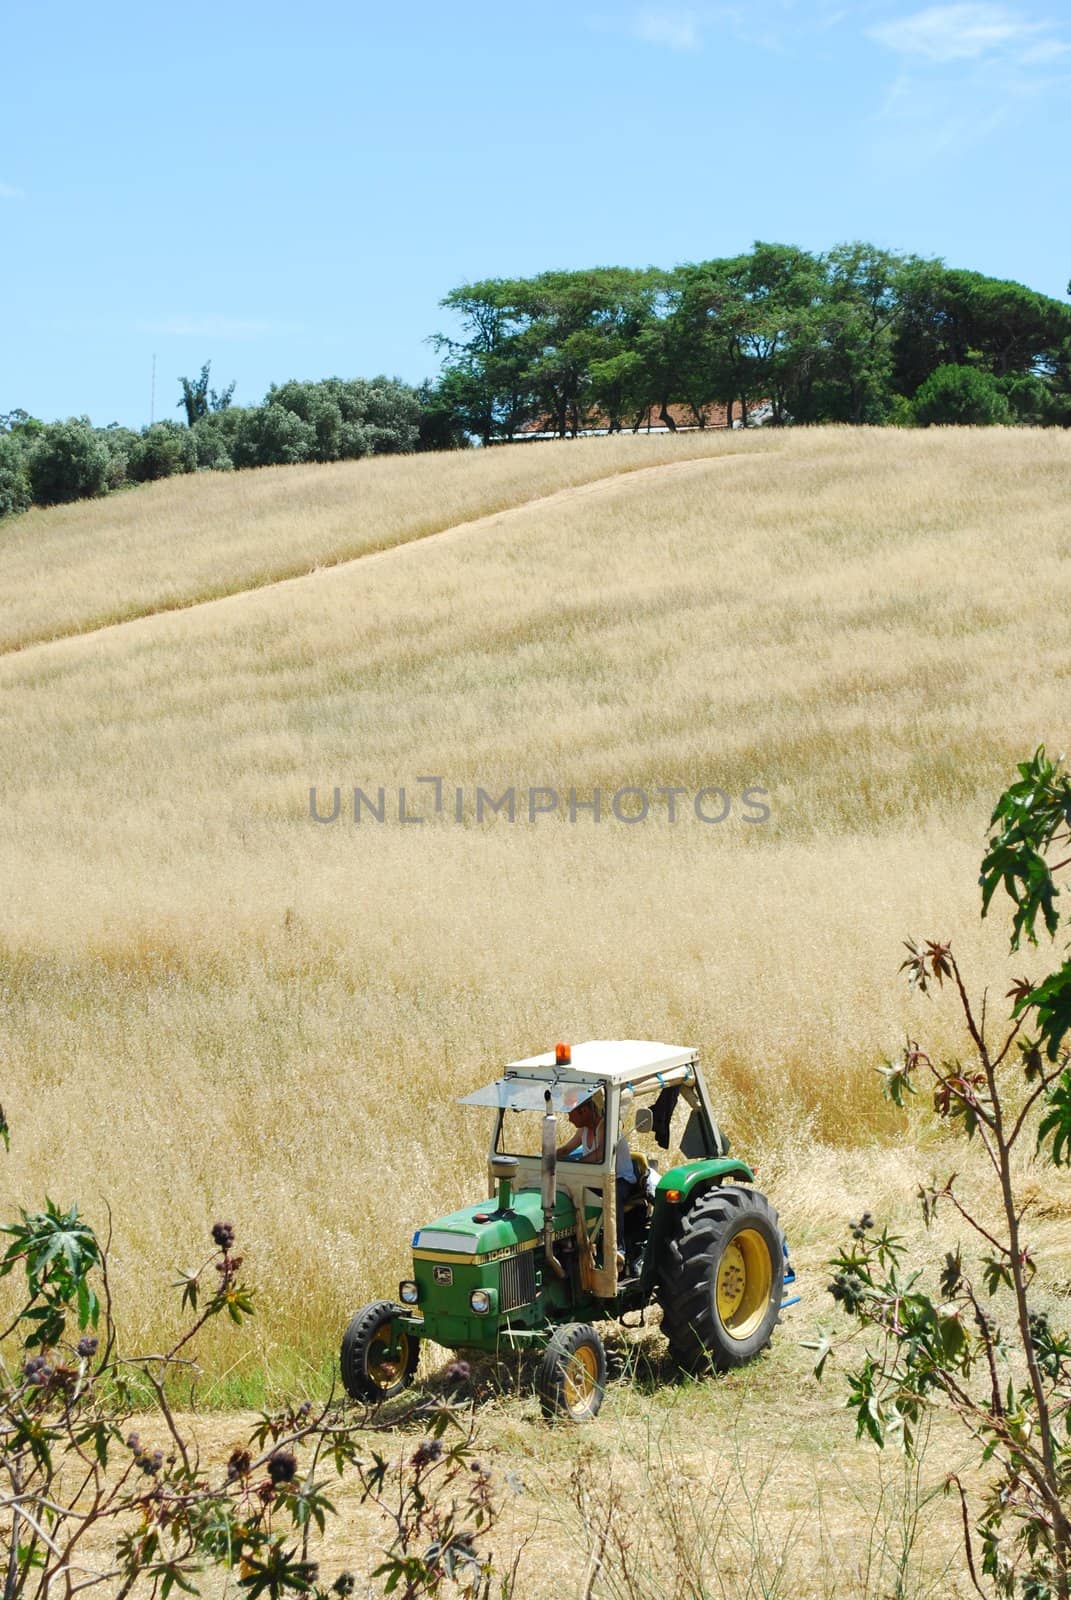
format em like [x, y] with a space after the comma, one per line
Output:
[356, 1380]
[687, 1272]
[550, 1378]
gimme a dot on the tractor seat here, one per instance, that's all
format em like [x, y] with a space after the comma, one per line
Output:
[635, 1221]
[637, 1197]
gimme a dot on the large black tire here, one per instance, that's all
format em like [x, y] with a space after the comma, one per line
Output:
[369, 1372]
[720, 1279]
[572, 1374]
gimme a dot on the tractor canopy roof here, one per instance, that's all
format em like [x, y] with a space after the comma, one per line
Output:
[591, 1067]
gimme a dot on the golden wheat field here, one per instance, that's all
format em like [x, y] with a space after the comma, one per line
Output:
[212, 1005]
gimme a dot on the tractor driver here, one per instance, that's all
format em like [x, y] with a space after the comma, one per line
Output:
[588, 1144]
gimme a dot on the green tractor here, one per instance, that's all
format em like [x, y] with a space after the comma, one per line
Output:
[581, 1226]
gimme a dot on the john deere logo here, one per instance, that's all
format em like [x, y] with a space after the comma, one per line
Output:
[444, 1274]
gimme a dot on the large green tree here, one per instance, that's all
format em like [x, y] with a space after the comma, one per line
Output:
[576, 319]
[957, 318]
[547, 348]
[486, 372]
[846, 371]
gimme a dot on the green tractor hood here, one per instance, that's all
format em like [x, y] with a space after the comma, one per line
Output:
[480, 1270]
[481, 1231]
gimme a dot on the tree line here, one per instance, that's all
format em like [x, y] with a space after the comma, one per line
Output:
[49, 463]
[856, 335]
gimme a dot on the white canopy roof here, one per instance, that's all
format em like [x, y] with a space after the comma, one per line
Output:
[619, 1060]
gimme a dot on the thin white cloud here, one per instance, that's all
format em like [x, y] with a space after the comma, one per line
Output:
[919, 126]
[674, 30]
[966, 71]
[775, 26]
[9, 191]
[217, 327]
[962, 32]
[1046, 50]
[945, 112]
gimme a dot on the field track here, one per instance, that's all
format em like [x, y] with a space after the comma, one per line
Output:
[631, 479]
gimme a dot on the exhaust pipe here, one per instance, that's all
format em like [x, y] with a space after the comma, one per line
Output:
[550, 1184]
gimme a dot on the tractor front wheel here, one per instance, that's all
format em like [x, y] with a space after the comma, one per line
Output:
[572, 1374]
[720, 1279]
[377, 1359]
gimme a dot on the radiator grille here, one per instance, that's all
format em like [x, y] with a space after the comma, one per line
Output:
[517, 1283]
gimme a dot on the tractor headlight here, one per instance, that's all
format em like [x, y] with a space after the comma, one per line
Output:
[408, 1292]
[480, 1301]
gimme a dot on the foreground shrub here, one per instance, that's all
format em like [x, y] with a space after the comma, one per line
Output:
[974, 1334]
[102, 1487]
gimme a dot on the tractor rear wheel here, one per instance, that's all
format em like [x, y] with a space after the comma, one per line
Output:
[377, 1360]
[572, 1374]
[720, 1279]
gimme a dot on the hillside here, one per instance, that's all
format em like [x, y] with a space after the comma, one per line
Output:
[213, 1005]
[165, 545]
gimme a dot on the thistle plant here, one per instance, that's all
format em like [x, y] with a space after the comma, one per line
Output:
[94, 1459]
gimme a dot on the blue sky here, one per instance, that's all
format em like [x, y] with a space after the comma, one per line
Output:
[290, 191]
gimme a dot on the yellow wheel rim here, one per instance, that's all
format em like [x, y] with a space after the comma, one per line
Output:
[385, 1369]
[581, 1379]
[745, 1280]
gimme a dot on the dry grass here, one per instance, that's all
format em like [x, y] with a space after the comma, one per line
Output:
[166, 545]
[211, 1005]
[214, 1004]
[719, 1491]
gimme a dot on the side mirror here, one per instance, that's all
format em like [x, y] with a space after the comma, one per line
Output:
[644, 1119]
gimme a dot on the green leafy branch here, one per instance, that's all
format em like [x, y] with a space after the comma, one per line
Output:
[943, 1341]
